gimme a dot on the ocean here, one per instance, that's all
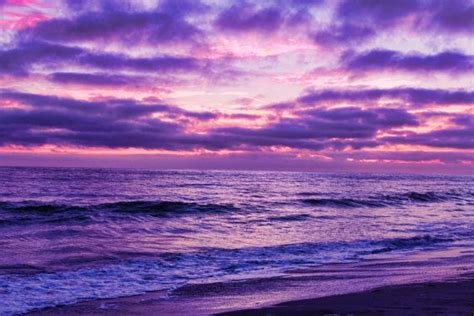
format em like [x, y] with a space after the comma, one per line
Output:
[71, 234]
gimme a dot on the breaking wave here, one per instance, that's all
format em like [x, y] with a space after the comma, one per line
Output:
[386, 200]
[28, 210]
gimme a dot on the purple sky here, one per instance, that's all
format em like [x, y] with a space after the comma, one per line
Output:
[343, 85]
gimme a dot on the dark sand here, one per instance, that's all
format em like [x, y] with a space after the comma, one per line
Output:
[430, 284]
[415, 299]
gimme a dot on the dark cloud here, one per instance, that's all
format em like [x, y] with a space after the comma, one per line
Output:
[124, 123]
[183, 7]
[19, 60]
[452, 15]
[117, 62]
[414, 96]
[317, 129]
[378, 12]
[96, 79]
[116, 123]
[115, 21]
[116, 108]
[460, 137]
[356, 21]
[121, 123]
[436, 15]
[243, 17]
[391, 60]
[247, 16]
[343, 34]
[305, 3]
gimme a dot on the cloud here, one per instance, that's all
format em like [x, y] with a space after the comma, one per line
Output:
[415, 96]
[116, 108]
[407, 156]
[243, 17]
[454, 16]
[380, 59]
[19, 60]
[317, 129]
[116, 22]
[96, 79]
[148, 64]
[126, 123]
[344, 34]
[356, 21]
[122, 123]
[449, 16]
[380, 12]
[460, 137]
[116, 123]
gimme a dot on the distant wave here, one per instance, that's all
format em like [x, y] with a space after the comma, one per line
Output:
[56, 212]
[290, 218]
[164, 207]
[385, 200]
[344, 202]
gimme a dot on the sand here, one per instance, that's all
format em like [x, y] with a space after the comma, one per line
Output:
[455, 298]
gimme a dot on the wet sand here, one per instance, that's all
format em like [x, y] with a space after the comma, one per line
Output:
[430, 284]
[455, 298]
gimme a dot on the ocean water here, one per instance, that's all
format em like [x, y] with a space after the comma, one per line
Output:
[69, 235]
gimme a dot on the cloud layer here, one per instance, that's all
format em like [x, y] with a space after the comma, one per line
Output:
[350, 80]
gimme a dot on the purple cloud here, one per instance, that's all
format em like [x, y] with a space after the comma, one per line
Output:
[117, 123]
[346, 33]
[114, 22]
[379, 12]
[415, 96]
[159, 63]
[122, 123]
[19, 60]
[118, 108]
[244, 17]
[381, 59]
[452, 15]
[360, 20]
[317, 129]
[458, 137]
[96, 79]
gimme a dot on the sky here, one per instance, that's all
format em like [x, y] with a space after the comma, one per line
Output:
[309, 85]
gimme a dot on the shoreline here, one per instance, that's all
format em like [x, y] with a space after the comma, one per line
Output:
[410, 282]
[437, 298]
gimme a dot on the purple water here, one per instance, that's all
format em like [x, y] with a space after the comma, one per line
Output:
[68, 235]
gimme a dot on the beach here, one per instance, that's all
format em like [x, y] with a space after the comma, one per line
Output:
[456, 298]
[433, 284]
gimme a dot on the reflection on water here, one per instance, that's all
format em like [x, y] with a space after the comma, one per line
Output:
[89, 233]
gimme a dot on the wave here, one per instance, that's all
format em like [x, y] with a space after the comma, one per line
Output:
[389, 245]
[28, 210]
[344, 203]
[164, 207]
[136, 276]
[291, 218]
[386, 200]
